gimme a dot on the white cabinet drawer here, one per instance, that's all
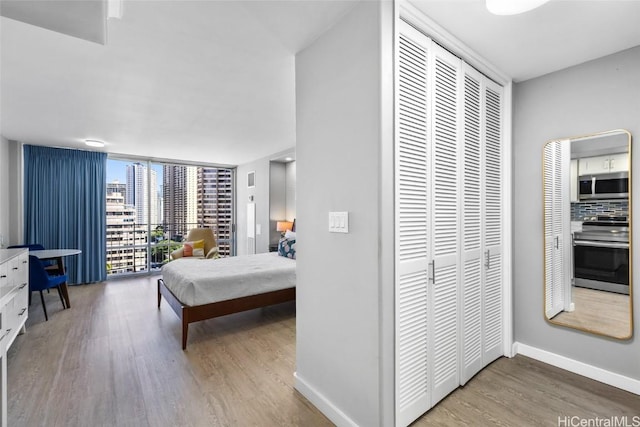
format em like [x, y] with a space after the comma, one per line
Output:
[22, 304]
[8, 323]
[3, 346]
[4, 276]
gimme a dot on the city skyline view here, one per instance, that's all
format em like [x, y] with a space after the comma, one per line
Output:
[144, 227]
[117, 170]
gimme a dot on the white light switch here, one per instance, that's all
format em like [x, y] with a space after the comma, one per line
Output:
[339, 222]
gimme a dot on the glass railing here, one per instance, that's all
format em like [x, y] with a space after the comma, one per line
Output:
[136, 248]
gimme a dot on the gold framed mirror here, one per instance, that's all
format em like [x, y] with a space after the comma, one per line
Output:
[587, 233]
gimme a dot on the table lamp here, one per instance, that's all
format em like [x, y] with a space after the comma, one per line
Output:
[283, 226]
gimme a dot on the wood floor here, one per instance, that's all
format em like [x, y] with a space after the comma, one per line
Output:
[603, 312]
[113, 359]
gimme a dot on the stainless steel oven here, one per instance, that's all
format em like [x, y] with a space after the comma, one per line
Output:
[601, 254]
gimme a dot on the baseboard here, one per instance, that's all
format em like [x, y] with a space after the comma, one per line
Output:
[580, 368]
[323, 404]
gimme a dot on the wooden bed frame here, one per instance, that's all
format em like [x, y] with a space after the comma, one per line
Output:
[196, 313]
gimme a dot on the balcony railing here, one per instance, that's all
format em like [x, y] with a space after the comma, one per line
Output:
[136, 248]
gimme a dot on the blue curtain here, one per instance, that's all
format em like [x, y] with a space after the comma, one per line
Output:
[65, 207]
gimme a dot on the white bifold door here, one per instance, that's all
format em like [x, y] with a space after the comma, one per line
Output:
[557, 228]
[448, 223]
[481, 295]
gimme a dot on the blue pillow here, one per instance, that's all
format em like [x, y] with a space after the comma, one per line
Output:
[287, 248]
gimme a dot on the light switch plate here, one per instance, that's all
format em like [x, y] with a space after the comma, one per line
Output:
[339, 222]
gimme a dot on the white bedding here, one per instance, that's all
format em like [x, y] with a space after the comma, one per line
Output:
[202, 281]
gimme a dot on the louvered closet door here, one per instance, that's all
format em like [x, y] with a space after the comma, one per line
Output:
[493, 177]
[552, 301]
[556, 184]
[445, 146]
[472, 225]
[413, 397]
[565, 248]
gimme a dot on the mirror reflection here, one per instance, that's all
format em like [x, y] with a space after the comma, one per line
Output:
[587, 226]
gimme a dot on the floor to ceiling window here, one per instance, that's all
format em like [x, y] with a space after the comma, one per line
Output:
[152, 206]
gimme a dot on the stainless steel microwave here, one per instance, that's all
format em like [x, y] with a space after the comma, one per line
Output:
[604, 186]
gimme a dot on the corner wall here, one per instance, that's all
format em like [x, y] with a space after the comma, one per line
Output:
[595, 96]
[339, 92]
[261, 197]
[260, 194]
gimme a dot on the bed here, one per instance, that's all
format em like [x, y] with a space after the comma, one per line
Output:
[200, 289]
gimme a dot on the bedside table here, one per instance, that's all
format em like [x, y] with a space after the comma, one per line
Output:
[273, 247]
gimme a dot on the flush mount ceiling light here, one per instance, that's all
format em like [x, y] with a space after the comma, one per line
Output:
[512, 7]
[94, 143]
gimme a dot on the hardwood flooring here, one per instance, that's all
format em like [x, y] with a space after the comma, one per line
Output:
[607, 313]
[114, 359]
[524, 392]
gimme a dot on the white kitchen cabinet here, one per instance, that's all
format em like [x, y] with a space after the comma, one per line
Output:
[14, 297]
[619, 162]
[604, 164]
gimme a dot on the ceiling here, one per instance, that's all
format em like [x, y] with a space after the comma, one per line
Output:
[557, 35]
[214, 81]
[82, 19]
[210, 81]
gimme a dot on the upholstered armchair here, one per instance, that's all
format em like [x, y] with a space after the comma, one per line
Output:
[195, 234]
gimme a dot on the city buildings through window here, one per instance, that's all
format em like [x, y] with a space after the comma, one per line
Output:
[152, 206]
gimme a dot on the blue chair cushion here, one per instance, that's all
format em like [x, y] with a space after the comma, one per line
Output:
[39, 279]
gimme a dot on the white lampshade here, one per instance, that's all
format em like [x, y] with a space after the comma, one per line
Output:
[512, 7]
[284, 225]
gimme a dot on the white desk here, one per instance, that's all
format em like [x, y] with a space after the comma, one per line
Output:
[57, 255]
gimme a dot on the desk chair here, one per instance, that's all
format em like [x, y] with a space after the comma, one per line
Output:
[50, 266]
[39, 280]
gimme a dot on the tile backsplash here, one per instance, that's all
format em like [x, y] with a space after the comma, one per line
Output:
[579, 210]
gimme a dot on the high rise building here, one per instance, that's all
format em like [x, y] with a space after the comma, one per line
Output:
[117, 187]
[179, 189]
[199, 197]
[145, 202]
[215, 200]
[125, 238]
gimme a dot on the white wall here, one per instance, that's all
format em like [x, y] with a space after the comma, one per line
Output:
[290, 191]
[277, 198]
[596, 96]
[4, 192]
[339, 139]
[261, 196]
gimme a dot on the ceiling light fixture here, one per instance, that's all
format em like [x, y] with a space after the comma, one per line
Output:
[94, 143]
[513, 7]
[288, 159]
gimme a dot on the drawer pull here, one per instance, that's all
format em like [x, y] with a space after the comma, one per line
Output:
[3, 276]
[15, 268]
[22, 286]
[22, 312]
[24, 262]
